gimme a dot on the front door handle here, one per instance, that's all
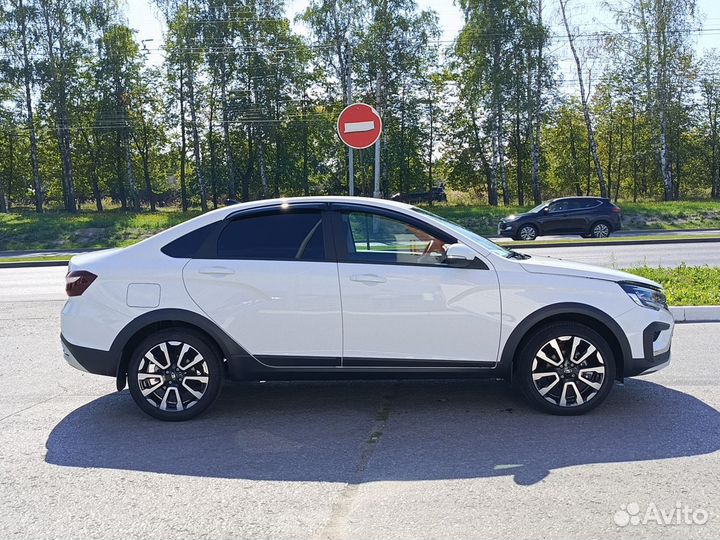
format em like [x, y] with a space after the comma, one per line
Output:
[367, 278]
[216, 270]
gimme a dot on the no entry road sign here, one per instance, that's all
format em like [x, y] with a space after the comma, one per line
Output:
[359, 126]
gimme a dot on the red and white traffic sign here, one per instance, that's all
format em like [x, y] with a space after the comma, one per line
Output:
[359, 126]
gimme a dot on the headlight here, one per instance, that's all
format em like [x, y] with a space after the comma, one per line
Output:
[645, 296]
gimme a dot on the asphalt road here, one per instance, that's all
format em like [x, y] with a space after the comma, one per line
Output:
[639, 255]
[413, 459]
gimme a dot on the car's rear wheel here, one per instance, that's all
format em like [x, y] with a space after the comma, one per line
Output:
[175, 374]
[565, 369]
[527, 233]
[601, 229]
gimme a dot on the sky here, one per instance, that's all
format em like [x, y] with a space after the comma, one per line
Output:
[585, 15]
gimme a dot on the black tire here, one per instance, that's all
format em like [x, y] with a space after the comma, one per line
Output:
[600, 229]
[532, 233]
[583, 382]
[186, 384]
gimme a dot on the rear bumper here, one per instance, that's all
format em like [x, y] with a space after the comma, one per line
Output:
[90, 360]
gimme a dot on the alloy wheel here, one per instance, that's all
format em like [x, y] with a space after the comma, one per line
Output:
[601, 230]
[173, 376]
[527, 233]
[568, 371]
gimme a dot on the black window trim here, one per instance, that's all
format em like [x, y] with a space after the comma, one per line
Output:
[338, 228]
[209, 248]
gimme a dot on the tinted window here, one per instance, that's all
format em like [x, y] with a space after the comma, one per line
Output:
[187, 246]
[375, 238]
[586, 203]
[560, 206]
[278, 236]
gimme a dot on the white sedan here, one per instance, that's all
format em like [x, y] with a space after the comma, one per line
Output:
[320, 287]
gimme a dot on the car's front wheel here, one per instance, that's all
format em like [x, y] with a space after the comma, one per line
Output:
[175, 374]
[565, 369]
[526, 233]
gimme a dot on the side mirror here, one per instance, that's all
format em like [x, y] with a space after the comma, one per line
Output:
[546, 210]
[459, 255]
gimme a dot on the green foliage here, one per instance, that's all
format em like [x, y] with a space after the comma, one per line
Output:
[256, 101]
[686, 285]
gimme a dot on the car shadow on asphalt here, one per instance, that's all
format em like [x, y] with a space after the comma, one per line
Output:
[366, 431]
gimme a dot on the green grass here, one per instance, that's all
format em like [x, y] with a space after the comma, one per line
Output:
[87, 229]
[686, 285]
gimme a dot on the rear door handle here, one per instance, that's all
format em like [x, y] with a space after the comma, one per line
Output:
[216, 270]
[367, 278]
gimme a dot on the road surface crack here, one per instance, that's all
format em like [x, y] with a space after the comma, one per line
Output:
[336, 526]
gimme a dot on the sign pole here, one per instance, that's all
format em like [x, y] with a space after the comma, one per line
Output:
[351, 156]
[376, 191]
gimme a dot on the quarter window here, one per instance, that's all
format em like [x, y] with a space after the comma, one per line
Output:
[375, 238]
[278, 236]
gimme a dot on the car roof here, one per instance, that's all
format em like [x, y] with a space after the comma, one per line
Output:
[221, 213]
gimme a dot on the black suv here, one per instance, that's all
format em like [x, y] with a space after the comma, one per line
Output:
[590, 217]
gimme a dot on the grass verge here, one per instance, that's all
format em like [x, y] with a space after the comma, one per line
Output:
[685, 285]
[86, 229]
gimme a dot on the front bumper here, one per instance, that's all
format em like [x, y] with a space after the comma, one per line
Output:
[657, 339]
[506, 229]
[90, 360]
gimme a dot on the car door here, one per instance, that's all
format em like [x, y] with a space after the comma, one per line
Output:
[403, 305]
[555, 218]
[271, 282]
[576, 216]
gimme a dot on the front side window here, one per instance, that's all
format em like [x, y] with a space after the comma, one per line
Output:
[284, 235]
[560, 206]
[375, 238]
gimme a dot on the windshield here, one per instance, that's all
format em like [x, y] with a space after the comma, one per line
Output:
[538, 208]
[484, 242]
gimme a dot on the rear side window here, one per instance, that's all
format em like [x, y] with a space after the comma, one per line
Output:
[588, 203]
[275, 236]
[188, 245]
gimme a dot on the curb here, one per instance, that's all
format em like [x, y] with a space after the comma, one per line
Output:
[33, 264]
[695, 314]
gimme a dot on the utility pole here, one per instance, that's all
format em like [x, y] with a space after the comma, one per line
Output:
[376, 190]
[351, 157]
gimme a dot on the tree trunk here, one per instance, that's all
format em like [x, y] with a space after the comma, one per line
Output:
[199, 176]
[261, 163]
[519, 158]
[94, 179]
[610, 144]
[537, 194]
[183, 145]
[27, 79]
[586, 108]
[211, 144]
[229, 158]
[574, 156]
[665, 170]
[305, 178]
[59, 92]
[249, 169]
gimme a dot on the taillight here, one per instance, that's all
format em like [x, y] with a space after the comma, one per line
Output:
[615, 210]
[77, 282]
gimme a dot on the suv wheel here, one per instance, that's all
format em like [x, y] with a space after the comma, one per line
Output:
[175, 374]
[565, 369]
[600, 230]
[527, 232]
